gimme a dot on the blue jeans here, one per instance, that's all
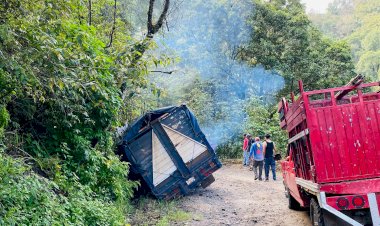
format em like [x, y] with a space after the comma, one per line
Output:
[246, 158]
[269, 162]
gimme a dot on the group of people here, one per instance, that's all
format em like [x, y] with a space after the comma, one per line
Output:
[261, 154]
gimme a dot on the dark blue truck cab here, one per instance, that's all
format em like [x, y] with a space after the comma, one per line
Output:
[169, 152]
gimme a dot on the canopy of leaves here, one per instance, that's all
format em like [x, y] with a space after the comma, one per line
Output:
[357, 22]
[284, 40]
[67, 79]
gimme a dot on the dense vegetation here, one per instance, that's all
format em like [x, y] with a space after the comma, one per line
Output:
[358, 23]
[72, 71]
[67, 79]
[284, 40]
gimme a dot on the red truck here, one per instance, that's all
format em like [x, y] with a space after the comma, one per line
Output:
[332, 164]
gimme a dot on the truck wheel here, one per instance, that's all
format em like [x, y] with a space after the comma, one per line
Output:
[206, 182]
[292, 202]
[316, 215]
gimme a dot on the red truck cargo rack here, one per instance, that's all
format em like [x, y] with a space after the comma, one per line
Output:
[333, 156]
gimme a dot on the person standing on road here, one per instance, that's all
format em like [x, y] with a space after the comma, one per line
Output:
[245, 149]
[257, 155]
[269, 153]
[250, 141]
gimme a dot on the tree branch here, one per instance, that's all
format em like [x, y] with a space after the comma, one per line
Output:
[165, 72]
[113, 25]
[139, 49]
[89, 12]
[154, 28]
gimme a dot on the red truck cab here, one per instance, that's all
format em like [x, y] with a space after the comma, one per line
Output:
[332, 164]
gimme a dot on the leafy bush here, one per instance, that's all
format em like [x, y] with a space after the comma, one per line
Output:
[232, 149]
[263, 119]
[29, 199]
[62, 95]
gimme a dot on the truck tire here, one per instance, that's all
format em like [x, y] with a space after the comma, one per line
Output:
[316, 215]
[292, 202]
[206, 182]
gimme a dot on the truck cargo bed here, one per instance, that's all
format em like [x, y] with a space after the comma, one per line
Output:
[343, 135]
[169, 151]
[333, 157]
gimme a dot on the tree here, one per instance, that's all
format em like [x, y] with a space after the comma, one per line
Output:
[63, 65]
[284, 40]
[357, 22]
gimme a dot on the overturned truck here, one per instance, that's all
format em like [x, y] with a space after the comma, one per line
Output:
[169, 153]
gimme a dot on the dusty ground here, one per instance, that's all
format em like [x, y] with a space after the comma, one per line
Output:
[235, 198]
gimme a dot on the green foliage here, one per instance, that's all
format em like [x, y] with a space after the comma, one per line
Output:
[339, 22]
[64, 89]
[175, 216]
[357, 22]
[198, 97]
[195, 92]
[4, 119]
[263, 119]
[29, 199]
[232, 149]
[284, 40]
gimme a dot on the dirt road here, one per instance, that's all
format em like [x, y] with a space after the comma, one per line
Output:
[235, 198]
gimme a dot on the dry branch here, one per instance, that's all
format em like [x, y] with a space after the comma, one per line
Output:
[113, 25]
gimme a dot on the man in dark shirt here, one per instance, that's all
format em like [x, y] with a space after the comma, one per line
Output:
[269, 153]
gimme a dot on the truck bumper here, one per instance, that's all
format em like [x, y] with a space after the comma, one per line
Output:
[373, 206]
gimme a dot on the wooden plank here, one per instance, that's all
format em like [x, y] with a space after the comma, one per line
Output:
[170, 149]
[186, 147]
[370, 148]
[163, 166]
[309, 185]
[367, 167]
[332, 143]
[340, 128]
[360, 145]
[340, 88]
[317, 146]
[295, 123]
[294, 115]
[350, 139]
[354, 83]
[315, 142]
[298, 136]
[325, 147]
[377, 135]
[373, 133]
